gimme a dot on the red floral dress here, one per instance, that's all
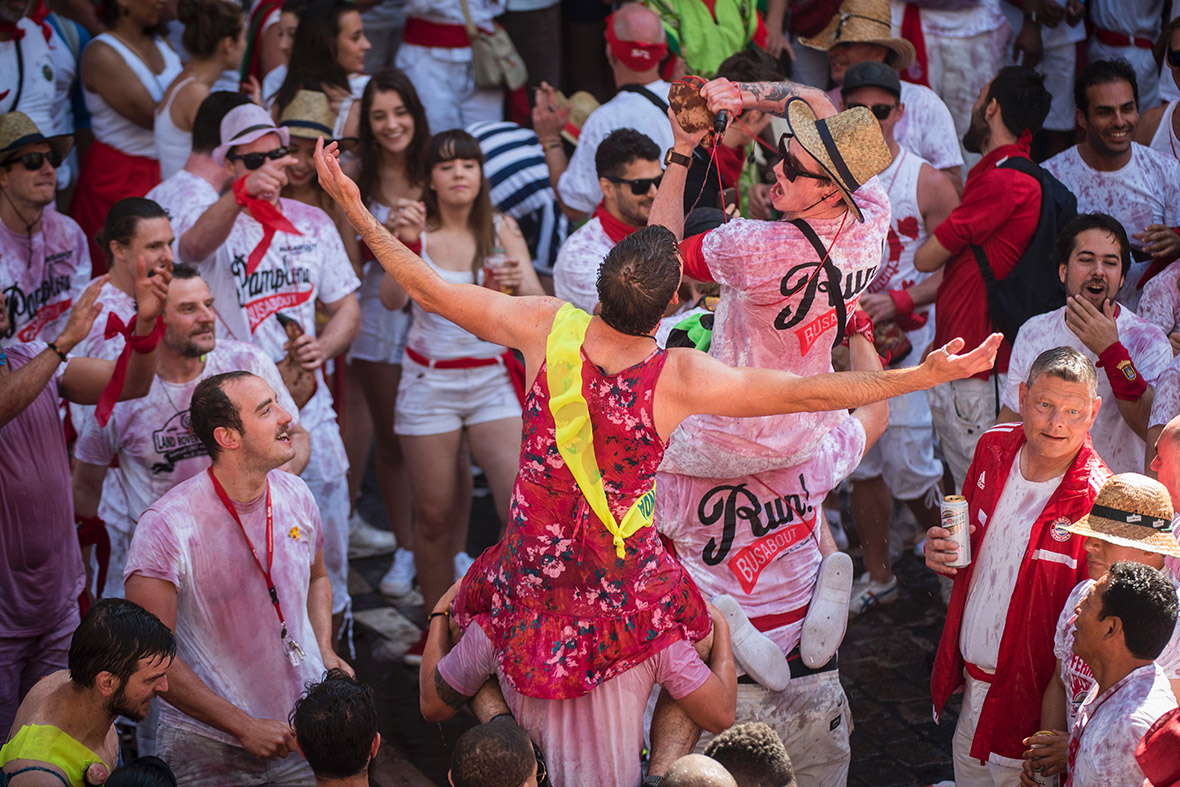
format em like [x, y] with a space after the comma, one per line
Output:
[564, 612]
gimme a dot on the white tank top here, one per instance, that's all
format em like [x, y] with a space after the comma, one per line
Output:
[109, 126]
[907, 230]
[438, 338]
[1164, 141]
[172, 144]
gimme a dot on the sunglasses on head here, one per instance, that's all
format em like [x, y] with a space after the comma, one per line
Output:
[639, 186]
[880, 111]
[256, 160]
[34, 161]
[1174, 58]
[791, 169]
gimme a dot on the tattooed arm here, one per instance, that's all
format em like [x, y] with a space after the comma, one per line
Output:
[769, 97]
[439, 700]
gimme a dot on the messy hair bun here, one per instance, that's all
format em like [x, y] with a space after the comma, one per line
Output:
[207, 23]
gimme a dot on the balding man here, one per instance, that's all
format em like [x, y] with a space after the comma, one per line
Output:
[635, 45]
[697, 770]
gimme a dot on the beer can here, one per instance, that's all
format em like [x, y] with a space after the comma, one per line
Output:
[1038, 778]
[954, 519]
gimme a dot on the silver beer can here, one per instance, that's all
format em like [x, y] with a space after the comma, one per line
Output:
[954, 519]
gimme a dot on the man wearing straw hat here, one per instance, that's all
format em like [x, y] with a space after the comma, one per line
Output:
[44, 258]
[861, 32]
[1120, 527]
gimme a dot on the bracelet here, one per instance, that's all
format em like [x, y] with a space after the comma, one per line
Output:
[429, 618]
[57, 350]
[902, 301]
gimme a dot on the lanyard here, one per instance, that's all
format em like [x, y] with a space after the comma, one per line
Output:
[270, 545]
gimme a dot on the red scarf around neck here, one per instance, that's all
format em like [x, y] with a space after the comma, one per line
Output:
[615, 229]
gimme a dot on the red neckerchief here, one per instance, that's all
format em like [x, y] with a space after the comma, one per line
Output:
[266, 214]
[615, 229]
[911, 29]
[141, 344]
[39, 15]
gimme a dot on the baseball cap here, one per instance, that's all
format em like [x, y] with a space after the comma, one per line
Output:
[242, 125]
[871, 73]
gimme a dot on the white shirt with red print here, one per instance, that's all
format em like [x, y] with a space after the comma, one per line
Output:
[184, 196]
[781, 308]
[1114, 440]
[41, 275]
[926, 127]
[1166, 403]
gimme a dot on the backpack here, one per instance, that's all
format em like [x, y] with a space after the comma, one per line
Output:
[1033, 286]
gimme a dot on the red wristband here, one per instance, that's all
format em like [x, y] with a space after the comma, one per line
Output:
[147, 344]
[859, 323]
[1125, 380]
[415, 247]
[902, 302]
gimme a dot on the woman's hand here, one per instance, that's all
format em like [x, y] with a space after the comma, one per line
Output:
[407, 221]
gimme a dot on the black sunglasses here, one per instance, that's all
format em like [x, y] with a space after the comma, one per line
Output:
[542, 771]
[880, 111]
[1174, 58]
[256, 160]
[639, 186]
[33, 161]
[791, 170]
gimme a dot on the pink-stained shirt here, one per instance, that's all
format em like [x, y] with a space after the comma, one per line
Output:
[226, 627]
[1166, 404]
[184, 196]
[41, 276]
[779, 309]
[40, 564]
[1114, 440]
[1110, 725]
[575, 272]
[153, 437]
[593, 739]
[1160, 304]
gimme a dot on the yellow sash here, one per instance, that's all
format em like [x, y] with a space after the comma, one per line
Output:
[47, 743]
[575, 434]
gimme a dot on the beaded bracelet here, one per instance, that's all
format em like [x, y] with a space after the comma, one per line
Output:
[57, 350]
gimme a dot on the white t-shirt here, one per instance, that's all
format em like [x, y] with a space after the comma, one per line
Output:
[926, 127]
[292, 274]
[1160, 304]
[578, 186]
[227, 630]
[1145, 191]
[998, 563]
[1114, 440]
[39, 277]
[982, 18]
[1166, 403]
[1111, 725]
[184, 196]
[153, 436]
[38, 88]
[1075, 673]
[575, 273]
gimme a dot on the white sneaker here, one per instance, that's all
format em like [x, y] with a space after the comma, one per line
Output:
[873, 594]
[759, 656]
[399, 579]
[364, 540]
[827, 614]
[463, 563]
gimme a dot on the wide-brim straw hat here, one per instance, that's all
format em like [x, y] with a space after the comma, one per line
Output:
[1131, 510]
[17, 130]
[848, 145]
[581, 104]
[310, 116]
[863, 22]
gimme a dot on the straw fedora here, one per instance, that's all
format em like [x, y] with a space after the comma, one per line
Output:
[310, 116]
[848, 145]
[863, 22]
[17, 130]
[581, 104]
[1131, 510]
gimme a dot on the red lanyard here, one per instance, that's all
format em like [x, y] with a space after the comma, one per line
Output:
[270, 545]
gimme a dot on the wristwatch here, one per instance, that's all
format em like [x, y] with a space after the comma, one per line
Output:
[672, 157]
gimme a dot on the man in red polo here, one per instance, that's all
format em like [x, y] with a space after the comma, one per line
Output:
[999, 212]
[1026, 483]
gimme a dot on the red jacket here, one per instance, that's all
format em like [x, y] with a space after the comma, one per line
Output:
[1054, 563]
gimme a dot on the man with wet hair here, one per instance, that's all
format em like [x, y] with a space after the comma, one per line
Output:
[496, 754]
[335, 723]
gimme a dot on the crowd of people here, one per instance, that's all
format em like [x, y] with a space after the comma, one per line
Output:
[665, 275]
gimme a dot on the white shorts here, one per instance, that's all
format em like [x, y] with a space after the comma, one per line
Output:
[1059, 65]
[382, 337]
[330, 491]
[969, 771]
[811, 716]
[904, 455]
[437, 401]
[962, 410]
[445, 81]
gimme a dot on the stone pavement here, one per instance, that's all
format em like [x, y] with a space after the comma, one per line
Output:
[885, 666]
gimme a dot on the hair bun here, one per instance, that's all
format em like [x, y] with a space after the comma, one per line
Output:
[186, 11]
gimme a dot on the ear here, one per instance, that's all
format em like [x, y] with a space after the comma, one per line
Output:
[900, 110]
[1061, 269]
[1023, 394]
[1080, 117]
[450, 780]
[1114, 629]
[227, 438]
[106, 683]
[376, 745]
[992, 109]
[607, 188]
[1094, 412]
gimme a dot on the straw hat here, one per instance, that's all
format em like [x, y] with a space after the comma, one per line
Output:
[1131, 510]
[849, 145]
[581, 104]
[16, 131]
[863, 22]
[310, 116]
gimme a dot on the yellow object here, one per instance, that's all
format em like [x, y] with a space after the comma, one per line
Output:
[46, 743]
[575, 433]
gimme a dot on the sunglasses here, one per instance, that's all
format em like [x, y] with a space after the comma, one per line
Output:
[256, 160]
[880, 111]
[639, 186]
[33, 161]
[1174, 58]
[791, 169]
[542, 771]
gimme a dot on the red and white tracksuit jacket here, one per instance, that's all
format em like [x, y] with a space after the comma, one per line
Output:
[1054, 562]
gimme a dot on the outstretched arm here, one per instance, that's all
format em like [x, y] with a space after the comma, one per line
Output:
[771, 97]
[521, 322]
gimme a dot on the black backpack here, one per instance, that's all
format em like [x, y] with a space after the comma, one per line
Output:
[1033, 286]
